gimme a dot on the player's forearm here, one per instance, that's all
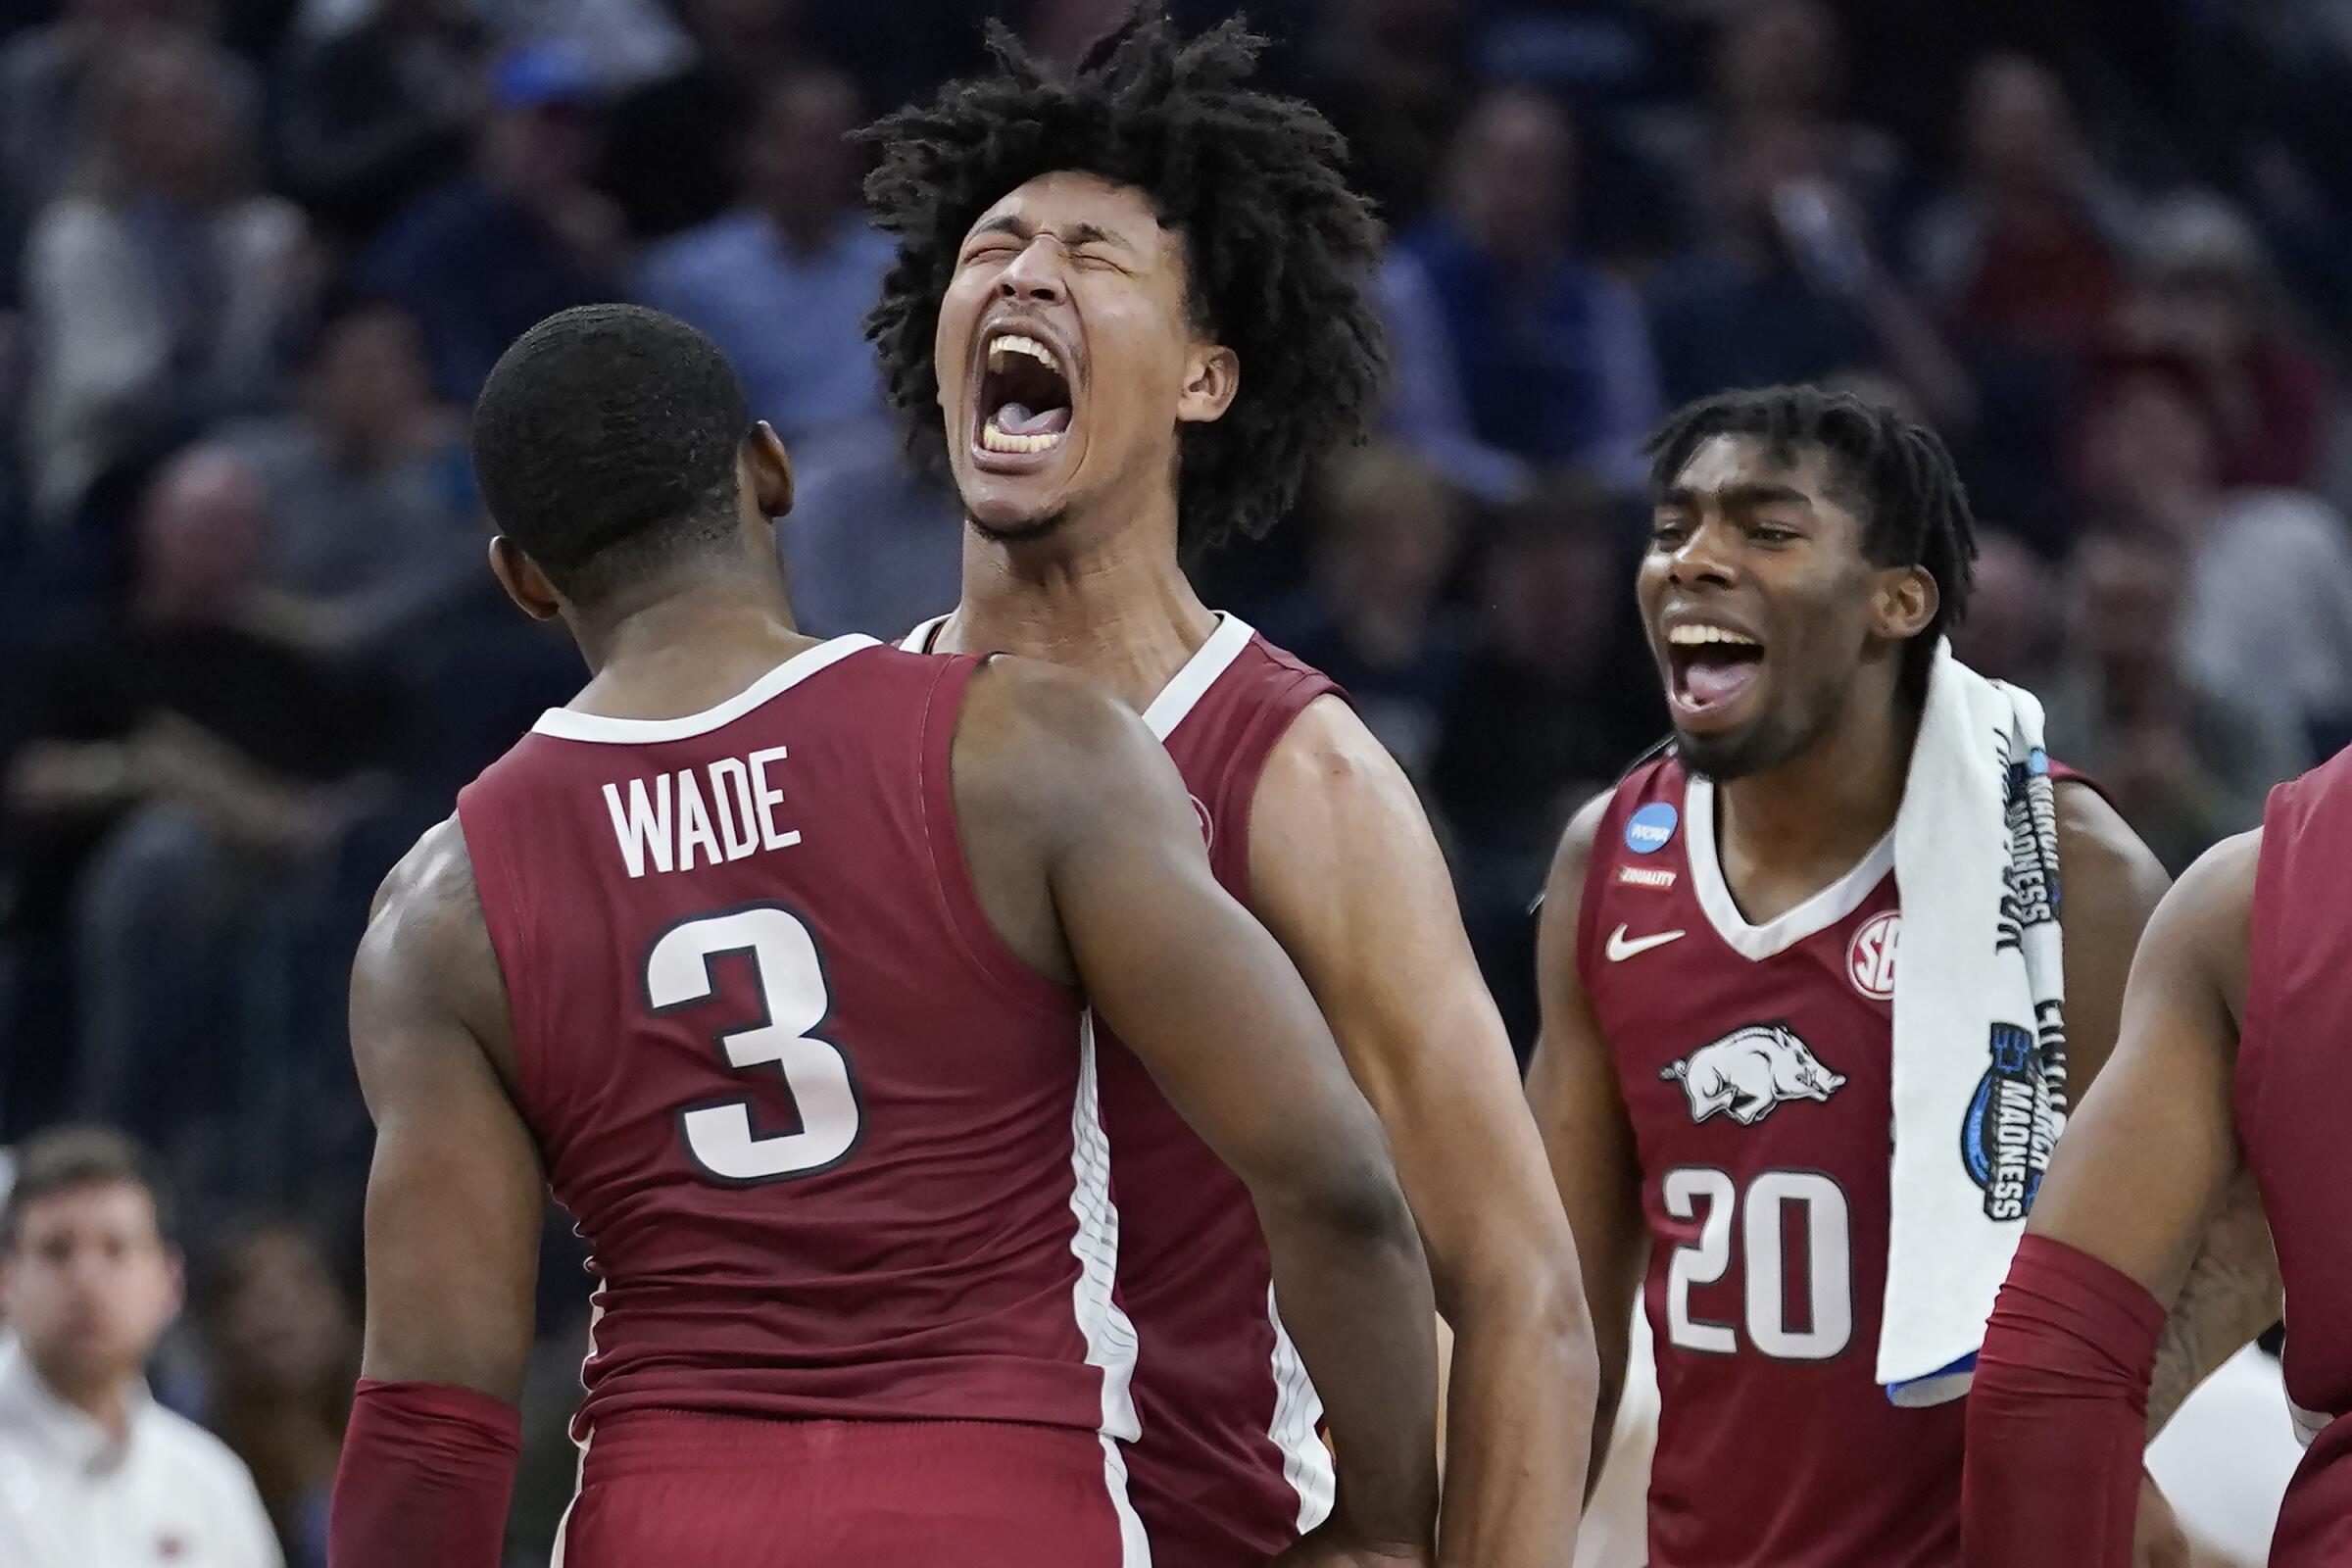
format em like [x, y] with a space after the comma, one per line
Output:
[1519, 1424]
[2232, 1295]
[1354, 1295]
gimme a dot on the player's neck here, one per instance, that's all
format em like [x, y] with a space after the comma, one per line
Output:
[685, 647]
[1791, 830]
[1094, 595]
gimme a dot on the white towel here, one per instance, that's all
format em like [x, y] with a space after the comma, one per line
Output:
[1979, 1023]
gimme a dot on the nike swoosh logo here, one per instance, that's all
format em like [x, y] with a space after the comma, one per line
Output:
[1619, 949]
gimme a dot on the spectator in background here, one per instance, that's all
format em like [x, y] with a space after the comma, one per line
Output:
[1391, 76]
[383, 112]
[2206, 295]
[2267, 619]
[46, 75]
[1788, 289]
[2013, 625]
[281, 1350]
[2185, 765]
[782, 283]
[373, 521]
[1552, 354]
[1369, 619]
[101, 1475]
[2024, 251]
[160, 293]
[178, 780]
[1550, 710]
[481, 260]
[1777, 63]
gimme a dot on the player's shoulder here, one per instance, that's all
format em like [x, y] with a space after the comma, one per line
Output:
[1047, 747]
[2220, 883]
[1329, 750]
[1019, 708]
[427, 942]
[1653, 776]
[2108, 869]
[429, 892]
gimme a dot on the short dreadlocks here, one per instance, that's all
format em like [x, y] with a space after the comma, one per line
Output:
[1279, 251]
[1893, 474]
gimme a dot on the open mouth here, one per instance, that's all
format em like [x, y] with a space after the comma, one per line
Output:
[1712, 667]
[1024, 402]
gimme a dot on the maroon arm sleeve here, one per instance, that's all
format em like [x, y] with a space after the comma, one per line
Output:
[2057, 1416]
[425, 1477]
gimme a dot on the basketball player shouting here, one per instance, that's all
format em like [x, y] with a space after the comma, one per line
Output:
[776, 960]
[1131, 303]
[1735, 898]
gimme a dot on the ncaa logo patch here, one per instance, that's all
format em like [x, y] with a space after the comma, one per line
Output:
[2005, 1137]
[1870, 957]
[1651, 828]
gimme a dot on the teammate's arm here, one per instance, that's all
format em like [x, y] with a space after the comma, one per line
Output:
[1210, 1003]
[2112, 885]
[1579, 1111]
[2056, 1419]
[455, 1200]
[1347, 873]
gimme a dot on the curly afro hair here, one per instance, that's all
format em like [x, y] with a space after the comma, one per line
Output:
[1279, 251]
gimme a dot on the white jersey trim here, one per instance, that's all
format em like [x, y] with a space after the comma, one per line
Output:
[1109, 1334]
[1185, 688]
[566, 724]
[1815, 915]
[1298, 1407]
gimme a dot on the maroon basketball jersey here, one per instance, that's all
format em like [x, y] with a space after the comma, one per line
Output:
[1755, 1062]
[835, 1147]
[2293, 1101]
[1229, 1468]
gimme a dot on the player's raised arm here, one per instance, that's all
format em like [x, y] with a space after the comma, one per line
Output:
[455, 1200]
[1580, 1113]
[2056, 1419]
[1345, 871]
[1212, 1007]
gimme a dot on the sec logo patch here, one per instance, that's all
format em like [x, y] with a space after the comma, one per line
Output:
[1870, 959]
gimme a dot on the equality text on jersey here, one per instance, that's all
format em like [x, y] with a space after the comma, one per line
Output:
[722, 811]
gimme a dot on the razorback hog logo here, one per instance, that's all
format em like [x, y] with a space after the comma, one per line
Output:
[1751, 1071]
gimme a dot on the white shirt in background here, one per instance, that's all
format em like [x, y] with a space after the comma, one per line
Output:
[170, 1496]
[2225, 1458]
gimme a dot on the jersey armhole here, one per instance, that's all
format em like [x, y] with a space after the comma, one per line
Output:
[1594, 887]
[506, 916]
[2263, 954]
[951, 874]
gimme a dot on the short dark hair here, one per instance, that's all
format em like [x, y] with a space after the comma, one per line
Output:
[1894, 475]
[65, 1160]
[1279, 251]
[605, 440]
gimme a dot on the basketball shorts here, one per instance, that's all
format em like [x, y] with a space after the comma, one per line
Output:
[671, 1490]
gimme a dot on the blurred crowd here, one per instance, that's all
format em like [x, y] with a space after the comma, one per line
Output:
[256, 256]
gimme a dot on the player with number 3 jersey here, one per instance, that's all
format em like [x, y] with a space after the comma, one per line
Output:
[775, 960]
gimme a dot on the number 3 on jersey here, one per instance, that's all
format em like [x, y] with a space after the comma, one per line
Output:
[794, 1001]
[1828, 1293]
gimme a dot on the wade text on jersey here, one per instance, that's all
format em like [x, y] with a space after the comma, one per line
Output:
[722, 811]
